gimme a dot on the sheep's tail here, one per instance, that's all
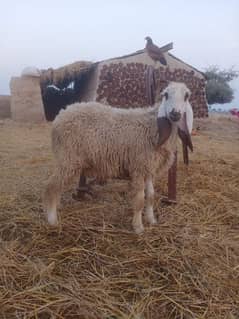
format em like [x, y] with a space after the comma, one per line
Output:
[58, 144]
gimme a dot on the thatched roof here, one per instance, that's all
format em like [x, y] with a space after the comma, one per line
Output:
[167, 47]
[63, 76]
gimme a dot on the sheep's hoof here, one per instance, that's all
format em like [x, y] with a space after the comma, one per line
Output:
[78, 196]
[52, 219]
[149, 215]
[81, 192]
[139, 230]
[153, 221]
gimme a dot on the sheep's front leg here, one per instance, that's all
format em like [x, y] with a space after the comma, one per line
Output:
[149, 194]
[138, 204]
[51, 199]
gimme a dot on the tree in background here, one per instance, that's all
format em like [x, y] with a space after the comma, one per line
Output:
[218, 89]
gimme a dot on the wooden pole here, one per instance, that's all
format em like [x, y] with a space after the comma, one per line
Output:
[172, 183]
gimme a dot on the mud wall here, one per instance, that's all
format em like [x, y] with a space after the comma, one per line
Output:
[123, 84]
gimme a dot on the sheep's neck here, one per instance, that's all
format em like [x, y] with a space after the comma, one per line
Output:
[164, 129]
[171, 143]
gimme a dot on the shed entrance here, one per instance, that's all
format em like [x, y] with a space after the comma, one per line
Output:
[64, 86]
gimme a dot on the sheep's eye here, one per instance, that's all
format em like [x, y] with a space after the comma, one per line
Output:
[186, 96]
[166, 95]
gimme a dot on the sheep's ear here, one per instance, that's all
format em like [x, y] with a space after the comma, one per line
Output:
[164, 129]
[185, 136]
[189, 117]
[184, 133]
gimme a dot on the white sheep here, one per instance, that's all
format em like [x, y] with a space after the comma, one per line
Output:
[105, 142]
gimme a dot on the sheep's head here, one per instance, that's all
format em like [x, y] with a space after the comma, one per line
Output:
[175, 107]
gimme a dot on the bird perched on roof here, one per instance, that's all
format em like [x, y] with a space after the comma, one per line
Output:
[154, 51]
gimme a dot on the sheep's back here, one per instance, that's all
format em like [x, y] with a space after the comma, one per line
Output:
[107, 141]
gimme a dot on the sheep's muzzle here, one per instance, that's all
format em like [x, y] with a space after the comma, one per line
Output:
[174, 115]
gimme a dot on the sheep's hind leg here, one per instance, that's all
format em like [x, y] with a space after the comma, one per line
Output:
[149, 196]
[81, 190]
[61, 180]
[138, 204]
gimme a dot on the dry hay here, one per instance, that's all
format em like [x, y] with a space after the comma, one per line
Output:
[93, 266]
[66, 74]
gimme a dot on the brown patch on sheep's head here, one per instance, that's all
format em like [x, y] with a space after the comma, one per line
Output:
[164, 129]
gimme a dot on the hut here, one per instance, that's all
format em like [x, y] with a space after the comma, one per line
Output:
[120, 82]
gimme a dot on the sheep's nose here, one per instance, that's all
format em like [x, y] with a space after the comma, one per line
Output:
[174, 115]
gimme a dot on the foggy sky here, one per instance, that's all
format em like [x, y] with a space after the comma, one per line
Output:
[54, 33]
